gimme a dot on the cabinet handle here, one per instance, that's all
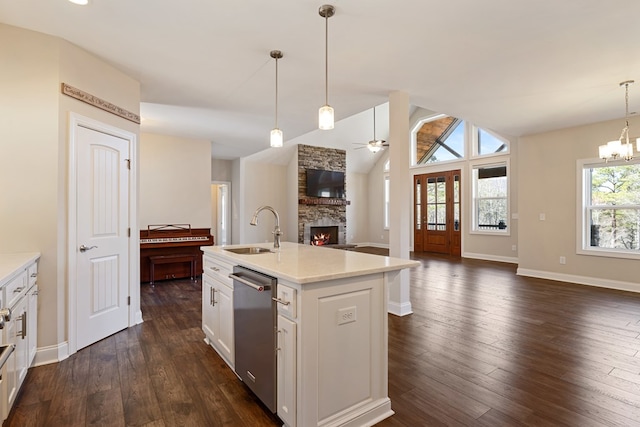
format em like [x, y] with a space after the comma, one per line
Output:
[24, 325]
[281, 301]
[18, 290]
[216, 269]
[34, 274]
[213, 296]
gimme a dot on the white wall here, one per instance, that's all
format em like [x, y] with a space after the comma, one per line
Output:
[376, 233]
[221, 170]
[34, 135]
[547, 171]
[264, 184]
[292, 200]
[175, 181]
[358, 211]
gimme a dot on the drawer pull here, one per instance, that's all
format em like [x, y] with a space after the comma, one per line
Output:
[281, 301]
[18, 290]
[216, 269]
[34, 274]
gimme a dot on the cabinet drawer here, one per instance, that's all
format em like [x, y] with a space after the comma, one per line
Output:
[32, 274]
[15, 289]
[286, 299]
[218, 269]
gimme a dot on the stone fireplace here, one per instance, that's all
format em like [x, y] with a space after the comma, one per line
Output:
[320, 212]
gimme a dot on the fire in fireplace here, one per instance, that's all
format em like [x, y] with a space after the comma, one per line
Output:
[321, 236]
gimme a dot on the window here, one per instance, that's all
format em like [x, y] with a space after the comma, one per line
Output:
[490, 198]
[387, 191]
[439, 139]
[611, 209]
[488, 143]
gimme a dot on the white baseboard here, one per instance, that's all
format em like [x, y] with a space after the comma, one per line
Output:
[581, 280]
[399, 309]
[51, 354]
[485, 257]
[138, 317]
[375, 245]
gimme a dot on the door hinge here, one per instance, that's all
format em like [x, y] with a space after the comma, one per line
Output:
[128, 300]
[129, 232]
[128, 163]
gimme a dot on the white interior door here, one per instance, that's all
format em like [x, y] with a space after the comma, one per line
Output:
[102, 287]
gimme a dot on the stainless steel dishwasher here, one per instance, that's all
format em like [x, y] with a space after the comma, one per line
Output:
[254, 316]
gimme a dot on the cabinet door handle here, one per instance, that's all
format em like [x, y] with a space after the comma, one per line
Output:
[34, 274]
[18, 290]
[281, 301]
[216, 269]
[24, 325]
[213, 296]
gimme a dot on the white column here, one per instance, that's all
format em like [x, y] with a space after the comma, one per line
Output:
[399, 198]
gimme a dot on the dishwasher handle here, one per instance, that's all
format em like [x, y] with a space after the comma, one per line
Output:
[256, 286]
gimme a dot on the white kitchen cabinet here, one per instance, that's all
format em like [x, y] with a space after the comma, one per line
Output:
[217, 309]
[32, 324]
[286, 386]
[19, 294]
[332, 330]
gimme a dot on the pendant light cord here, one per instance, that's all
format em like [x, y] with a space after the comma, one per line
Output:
[326, 59]
[276, 93]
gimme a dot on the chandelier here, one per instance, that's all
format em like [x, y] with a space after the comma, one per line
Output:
[620, 148]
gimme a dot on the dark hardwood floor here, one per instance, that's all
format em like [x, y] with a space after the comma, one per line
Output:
[483, 347]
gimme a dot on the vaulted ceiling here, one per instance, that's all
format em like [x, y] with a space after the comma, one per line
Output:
[205, 71]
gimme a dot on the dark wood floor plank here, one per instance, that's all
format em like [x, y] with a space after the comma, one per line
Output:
[484, 347]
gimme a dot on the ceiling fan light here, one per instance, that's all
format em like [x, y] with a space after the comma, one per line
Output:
[325, 118]
[374, 146]
[276, 138]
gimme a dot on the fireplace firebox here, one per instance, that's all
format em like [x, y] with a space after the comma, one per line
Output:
[321, 236]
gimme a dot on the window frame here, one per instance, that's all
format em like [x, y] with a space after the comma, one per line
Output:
[583, 232]
[475, 143]
[474, 205]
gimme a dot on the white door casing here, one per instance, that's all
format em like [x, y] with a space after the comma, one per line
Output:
[101, 276]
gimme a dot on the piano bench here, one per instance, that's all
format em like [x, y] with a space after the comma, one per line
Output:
[171, 259]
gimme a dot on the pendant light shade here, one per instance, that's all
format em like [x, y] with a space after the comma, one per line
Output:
[325, 114]
[276, 139]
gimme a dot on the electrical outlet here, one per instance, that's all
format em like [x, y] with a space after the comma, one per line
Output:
[514, 248]
[542, 217]
[563, 260]
[346, 315]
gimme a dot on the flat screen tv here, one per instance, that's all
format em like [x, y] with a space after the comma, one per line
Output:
[322, 183]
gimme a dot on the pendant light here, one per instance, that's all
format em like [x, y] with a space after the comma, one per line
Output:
[621, 147]
[276, 134]
[325, 114]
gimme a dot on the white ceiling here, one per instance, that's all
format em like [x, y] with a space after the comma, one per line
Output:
[516, 67]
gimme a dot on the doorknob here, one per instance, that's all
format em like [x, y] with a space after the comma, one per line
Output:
[84, 248]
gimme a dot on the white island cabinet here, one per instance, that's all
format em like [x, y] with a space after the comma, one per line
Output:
[19, 290]
[332, 331]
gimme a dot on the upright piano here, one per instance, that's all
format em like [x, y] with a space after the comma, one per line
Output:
[172, 251]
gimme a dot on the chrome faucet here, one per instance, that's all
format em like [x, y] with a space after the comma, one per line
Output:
[276, 231]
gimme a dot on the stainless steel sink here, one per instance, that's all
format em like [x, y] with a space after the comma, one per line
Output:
[248, 250]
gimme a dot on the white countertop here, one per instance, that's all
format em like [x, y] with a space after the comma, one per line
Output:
[306, 263]
[12, 264]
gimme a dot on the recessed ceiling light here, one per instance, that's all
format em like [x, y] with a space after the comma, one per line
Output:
[80, 2]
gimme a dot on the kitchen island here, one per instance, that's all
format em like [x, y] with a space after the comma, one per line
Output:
[332, 328]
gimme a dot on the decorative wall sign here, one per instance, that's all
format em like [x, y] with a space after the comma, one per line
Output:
[99, 103]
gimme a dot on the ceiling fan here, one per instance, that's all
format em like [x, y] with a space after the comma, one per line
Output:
[374, 145]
